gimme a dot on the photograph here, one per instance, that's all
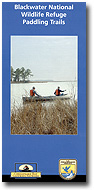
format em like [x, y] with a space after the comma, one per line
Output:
[44, 85]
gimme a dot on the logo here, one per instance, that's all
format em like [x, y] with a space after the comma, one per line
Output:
[67, 168]
[27, 170]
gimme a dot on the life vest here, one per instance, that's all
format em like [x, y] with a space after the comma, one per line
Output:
[32, 93]
[57, 92]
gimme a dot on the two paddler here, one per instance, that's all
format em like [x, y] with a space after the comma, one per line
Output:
[57, 92]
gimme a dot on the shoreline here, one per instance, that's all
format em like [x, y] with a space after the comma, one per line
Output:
[13, 82]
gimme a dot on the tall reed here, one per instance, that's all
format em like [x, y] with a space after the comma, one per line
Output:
[59, 117]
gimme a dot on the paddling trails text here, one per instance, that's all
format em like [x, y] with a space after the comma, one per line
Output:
[43, 14]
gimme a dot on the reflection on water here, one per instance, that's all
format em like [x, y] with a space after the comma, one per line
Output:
[43, 89]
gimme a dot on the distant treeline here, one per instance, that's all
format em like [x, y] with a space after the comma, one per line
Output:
[20, 74]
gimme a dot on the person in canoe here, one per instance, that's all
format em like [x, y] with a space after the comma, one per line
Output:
[33, 92]
[58, 92]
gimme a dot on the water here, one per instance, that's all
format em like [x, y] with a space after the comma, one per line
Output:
[43, 89]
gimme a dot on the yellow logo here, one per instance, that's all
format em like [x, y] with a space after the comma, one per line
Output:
[67, 168]
[28, 170]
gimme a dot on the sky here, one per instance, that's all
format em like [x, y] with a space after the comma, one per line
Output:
[48, 57]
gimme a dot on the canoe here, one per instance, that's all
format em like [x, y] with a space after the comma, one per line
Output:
[44, 98]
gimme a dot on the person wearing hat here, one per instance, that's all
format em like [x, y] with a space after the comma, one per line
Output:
[58, 92]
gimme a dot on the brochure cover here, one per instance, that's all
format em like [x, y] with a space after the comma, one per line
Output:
[44, 91]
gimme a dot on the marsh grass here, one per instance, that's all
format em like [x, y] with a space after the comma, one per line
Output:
[59, 117]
